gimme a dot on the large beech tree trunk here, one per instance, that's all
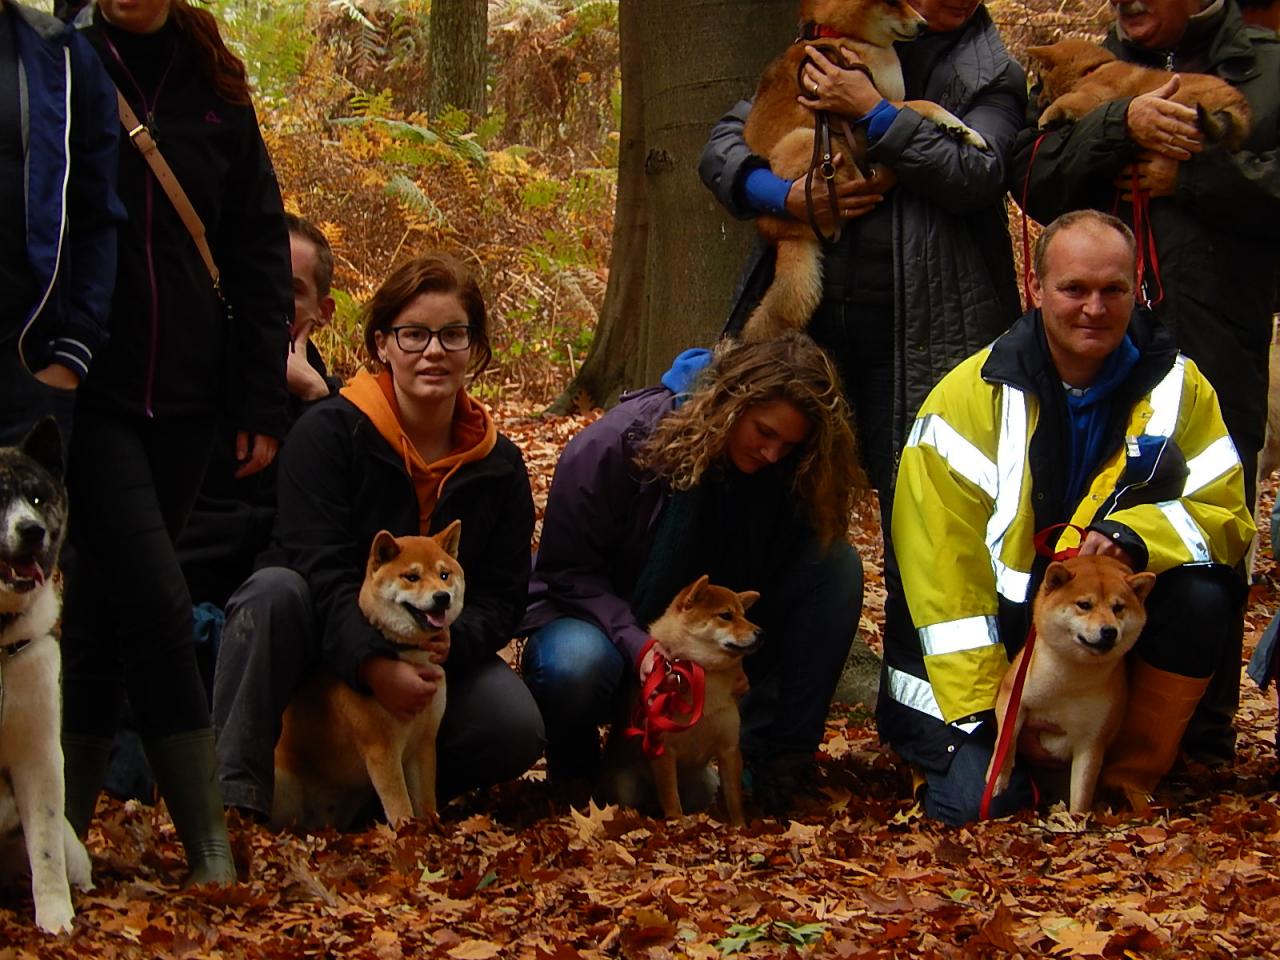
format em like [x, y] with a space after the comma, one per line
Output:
[676, 254]
[459, 55]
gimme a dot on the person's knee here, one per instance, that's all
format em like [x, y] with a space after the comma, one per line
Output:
[571, 666]
[1191, 615]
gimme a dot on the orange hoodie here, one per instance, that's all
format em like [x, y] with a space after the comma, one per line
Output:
[474, 436]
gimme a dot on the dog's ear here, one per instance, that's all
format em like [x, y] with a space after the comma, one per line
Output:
[449, 538]
[689, 595]
[384, 550]
[748, 597]
[1141, 584]
[43, 444]
[1057, 575]
[1039, 54]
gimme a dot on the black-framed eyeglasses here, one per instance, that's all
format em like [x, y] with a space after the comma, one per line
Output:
[414, 339]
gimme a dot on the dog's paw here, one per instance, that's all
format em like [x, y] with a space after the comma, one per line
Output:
[973, 138]
[54, 915]
[79, 868]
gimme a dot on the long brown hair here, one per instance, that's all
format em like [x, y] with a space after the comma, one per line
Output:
[827, 475]
[221, 68]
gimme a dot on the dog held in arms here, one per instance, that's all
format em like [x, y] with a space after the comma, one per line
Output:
[706, 625]
[850, 33]
[338, 746]
[1088, 615]
[1076, 76]
[33, 514]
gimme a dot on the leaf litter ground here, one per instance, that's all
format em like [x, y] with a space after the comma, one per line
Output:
[857, 873]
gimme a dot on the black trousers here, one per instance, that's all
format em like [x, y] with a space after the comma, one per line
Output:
[127, 624]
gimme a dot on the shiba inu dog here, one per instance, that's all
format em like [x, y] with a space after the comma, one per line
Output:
[33, 515]
[1088, 615]
[338, 746]
[1077, 75]
[707, 625]
[782, 129]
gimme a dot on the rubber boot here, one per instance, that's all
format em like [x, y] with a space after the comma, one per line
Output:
[187, 775]
[1160, 706]
[84, 760]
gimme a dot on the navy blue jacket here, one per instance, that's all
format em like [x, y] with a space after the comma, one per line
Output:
[70, 129]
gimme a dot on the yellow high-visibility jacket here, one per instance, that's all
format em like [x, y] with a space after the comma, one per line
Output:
[983, 470]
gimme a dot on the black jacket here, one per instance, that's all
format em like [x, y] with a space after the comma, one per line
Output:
[173, 350]
[341, 482]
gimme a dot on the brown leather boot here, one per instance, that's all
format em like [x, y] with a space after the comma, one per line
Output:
[1160, 706]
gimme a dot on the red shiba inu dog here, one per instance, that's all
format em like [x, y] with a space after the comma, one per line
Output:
[1088, 615]
[851, 32]
[1077, 75]
[338, 746]
[707, 625]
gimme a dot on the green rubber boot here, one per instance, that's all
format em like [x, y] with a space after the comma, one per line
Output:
[187, 774]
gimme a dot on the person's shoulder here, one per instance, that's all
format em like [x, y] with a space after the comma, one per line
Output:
[44, 25]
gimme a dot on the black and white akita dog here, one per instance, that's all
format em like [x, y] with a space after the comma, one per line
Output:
[33, 516]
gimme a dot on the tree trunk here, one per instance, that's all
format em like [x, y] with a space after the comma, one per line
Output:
[459, 31]
[676, 254]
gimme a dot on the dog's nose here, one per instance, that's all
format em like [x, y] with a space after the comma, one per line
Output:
[441, 600]
[1108, 634]
[30, 534]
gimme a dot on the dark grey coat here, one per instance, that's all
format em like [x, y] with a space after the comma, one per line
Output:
[954, 283]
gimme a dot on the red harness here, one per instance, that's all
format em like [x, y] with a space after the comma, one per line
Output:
[671, 700]
[1005, 742]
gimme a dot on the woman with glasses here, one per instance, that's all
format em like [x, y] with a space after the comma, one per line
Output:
[404, 448]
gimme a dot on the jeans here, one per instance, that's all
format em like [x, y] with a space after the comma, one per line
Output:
[955, 797]
[271, 642]
[810, 616]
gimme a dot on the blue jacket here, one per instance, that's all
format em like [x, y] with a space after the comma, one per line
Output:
[70, 128]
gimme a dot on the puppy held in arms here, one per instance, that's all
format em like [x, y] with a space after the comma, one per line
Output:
[1088, 615]
[691, 713]
[33, 515]
[1076, 76]
[339, 747]
[854, 34]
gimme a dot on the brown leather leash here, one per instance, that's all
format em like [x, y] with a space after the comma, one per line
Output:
[822, 163]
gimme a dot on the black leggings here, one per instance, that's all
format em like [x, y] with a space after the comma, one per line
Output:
[127, 623]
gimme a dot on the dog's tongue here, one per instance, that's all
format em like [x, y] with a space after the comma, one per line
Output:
[436, 619]
[29, 570]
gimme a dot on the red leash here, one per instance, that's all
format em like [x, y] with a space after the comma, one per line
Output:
[671, 700]
[1146, 244]
[1005, 740]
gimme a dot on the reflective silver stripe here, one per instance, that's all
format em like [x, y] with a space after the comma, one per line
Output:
[1211, 463]
[953, 635]
[1186, 528]
[1010, 583]
[960, 454]
[1011, 453]
[911, 691]
[1166, 399]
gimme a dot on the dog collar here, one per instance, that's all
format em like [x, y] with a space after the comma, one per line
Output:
[812, 30]
[10, 650]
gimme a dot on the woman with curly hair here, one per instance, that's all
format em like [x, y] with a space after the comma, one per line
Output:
[742, 466]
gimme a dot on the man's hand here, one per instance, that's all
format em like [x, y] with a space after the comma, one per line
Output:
[404, 689]
[303, 380]
[1095, 544]
[854, 198]
[830, 87]
[1158, 124]
[1156, 174]
[254, 451]
[59, 377]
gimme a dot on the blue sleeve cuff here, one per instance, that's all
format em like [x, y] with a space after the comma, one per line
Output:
[879, 119]
[765, 192]
[73, 354]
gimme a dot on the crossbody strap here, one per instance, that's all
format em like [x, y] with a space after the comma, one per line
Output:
[141, 137]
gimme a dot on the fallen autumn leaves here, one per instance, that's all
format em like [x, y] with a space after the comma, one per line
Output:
[857, 874]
